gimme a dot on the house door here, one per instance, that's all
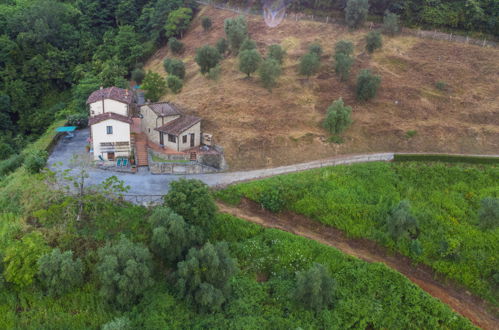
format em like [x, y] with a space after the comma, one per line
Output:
[192, 140]
[161, 139]
[110, 156]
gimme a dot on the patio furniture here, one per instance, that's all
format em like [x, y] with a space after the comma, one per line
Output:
[100, 157]
[68, 130]
[125, 162]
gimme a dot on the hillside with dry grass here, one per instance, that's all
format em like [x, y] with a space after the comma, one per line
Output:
[259, 128]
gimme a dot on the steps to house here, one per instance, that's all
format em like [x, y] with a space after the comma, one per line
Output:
[140, 141]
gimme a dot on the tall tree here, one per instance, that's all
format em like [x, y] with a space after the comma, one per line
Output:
[249, 60]
[356, 12]
[338, 117]
[154, 85]
[314, 288]
[59, 273]
[236, 31]
[178, 22]
[207, 57]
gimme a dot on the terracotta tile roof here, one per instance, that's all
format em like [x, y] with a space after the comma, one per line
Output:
[163, 109]
[113, 93]
[108, 115]
[179, 125]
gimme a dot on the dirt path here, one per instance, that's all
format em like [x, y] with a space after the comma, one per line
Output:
[461, 301]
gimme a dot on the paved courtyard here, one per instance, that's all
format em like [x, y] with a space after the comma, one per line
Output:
[145, 183]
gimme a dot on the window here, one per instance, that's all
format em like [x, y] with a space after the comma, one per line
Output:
[172, 138]
[184, 139]
[109, 129]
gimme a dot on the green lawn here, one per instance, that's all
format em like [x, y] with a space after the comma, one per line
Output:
[357, 199]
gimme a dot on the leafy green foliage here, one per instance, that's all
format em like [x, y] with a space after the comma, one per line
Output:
[343, 64]
[171, 235]
[489, 213]
[174, 83]
[192, 200]
[214, 73]
[276, 52]
[367, 85]
[248, 44]
[236, 31]
[118, 323]
[138, 75]
[400, 222]
[174, 67]
[249, 60]
[35, 161]
[309, 64]
[206, 23]
[272, 199]
[154, 86]
[124, 271]
[207, 57]
[178, 21]
[59, 273]
[356, 12]
[176, 46]
[20, 259]
[314, 288]
[203, 278]
[222, 46]
[445, 158]
[316, 49]
[344, 47]
[391, 23]
[445, 199]
[338, 117]
[269, 72]
[373, 41]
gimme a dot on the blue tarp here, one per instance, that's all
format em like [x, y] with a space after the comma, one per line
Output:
[66, 129]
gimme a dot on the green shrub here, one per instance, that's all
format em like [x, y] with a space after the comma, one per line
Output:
[203, 278]
[316, 49]
[247, 44]
[488, 214]
[118, 323]
[35, 161]
[10, 164]
[249, 60]
[59, 273]
[338, 117]
[276, 52]
[222, 46]
[154, 86]
[178, 21]
[174, 67]
[124, 271]
[214, 73]
[269, 72]
[236, 31]
[441, 86]
[206, 23]
[309, 64]
[5, 150]
[79, 120]
[373, 41]
[367, 85]
[401, 223]
[174, 83]
[356, 12]
[343, 47]
[272, 199]
[176, 46]
[416, 248]
[207, 57]
[445, 158]
[343, 64]
[410, 134]
[314, 288]
[192, 200]
[391, 23]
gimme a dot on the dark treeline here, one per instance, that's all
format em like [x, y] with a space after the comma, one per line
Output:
[53, 53]
[469, 15]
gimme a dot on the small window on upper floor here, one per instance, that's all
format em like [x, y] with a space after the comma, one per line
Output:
[109, 129]
[184, 139]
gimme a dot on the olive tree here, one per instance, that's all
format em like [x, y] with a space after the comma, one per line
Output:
[342, 65]
[400, 222]
[154, 86]
[269, 72]
[309, 64]
[176, 46]
[222, 46]
[356, 12]
[391, 23]
[59, 273]
[174, 67]
[207, 57]
[206, 23]
[247, 44]
[203, 278]
[315, 288]
[124, 271]
[338, 117]
[343, 47]
[367, 85]
[174, 84]
[249, 60]
[236, 31]
[276, 52]
[373, 41]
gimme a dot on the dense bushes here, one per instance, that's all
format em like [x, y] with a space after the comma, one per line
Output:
[59, 273]
[207, 57]
[356, 12]
[442, 227]
[236, 31]
[314, 288]
[373, 41]
[35, 161]
[249, 60]
[154, 86]
[446, 158]
[338, 117]
[269, 72]
[174, 67]
[367, 85]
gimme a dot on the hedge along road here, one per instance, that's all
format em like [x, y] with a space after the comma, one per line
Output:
[461, 301]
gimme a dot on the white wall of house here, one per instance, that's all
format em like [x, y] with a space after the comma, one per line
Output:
[109, 106]
[121, 133]
[196, 130]
[150, 121]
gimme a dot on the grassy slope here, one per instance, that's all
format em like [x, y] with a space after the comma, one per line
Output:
[445, 199]
[259, 128]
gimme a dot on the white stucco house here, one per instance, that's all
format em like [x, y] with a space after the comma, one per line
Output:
[110, 123]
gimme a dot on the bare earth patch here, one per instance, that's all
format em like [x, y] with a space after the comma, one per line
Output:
[259, 129]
